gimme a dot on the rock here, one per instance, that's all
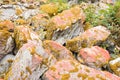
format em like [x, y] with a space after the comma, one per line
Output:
[38, 24]
[5, 63]
[69, 33]
[76, 71]
[8, 14]
[31, 58]
[39, 21]
[6, 42]
[72, 2]
[30, 12]
[95, 56]
[61, 24]
[22, 34]
[7, 25]
[115, 66]
[108, 1]
[57, 50]
[18, 10]
[25, 62]
[88, 38]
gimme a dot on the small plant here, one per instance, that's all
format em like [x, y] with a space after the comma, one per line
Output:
[109, 18]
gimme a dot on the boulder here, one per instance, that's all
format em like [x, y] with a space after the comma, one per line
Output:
[95, 56]
[88, 38]
[60, 26]
[71, 70]
[57, 50]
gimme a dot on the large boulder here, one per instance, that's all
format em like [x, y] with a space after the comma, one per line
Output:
[88, 38]
[71, 70]
[95, 56]
[66, 25]
[25, 62]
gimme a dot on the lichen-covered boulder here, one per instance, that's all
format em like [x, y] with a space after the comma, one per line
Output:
[115, 66]
[66, 25]
[88, 38]
[57, 50]
[71, 70]
[25, 62]
[95, 56]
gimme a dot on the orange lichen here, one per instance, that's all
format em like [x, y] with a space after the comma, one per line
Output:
[65, 77]
[29, 70]
[20, 21]
[18, 11]
[6, 25]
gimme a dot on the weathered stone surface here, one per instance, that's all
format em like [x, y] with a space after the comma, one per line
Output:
[76, 71]
[38, 24]
[15, 11]
[108, 1]
[6, 25]
[88, 38]
[22, 34]
[25, 62]
[64, 20]
[5, 63]
[69, 33]
[95, 56]
[39, 21]
[6, 42]
[57, 50]
[115, 66]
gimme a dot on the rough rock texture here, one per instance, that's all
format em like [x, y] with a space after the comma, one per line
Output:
[22, 34]
[5, 63]
[62, 23]
[95, 56]
[25, 62]
[76, 71]
[39, 21]
[88, 38]
[7, 25]
[31, 57]
[38, 24]
[13, 11]
[69, 33]
[6, 42]
[115, 66]
[57, 50]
